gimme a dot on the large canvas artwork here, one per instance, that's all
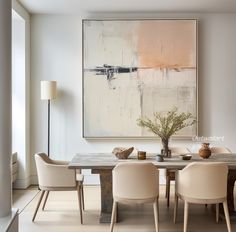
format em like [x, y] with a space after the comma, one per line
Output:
[133, 68]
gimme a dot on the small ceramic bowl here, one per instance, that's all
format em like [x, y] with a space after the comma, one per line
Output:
[159, 158]
[186, 157]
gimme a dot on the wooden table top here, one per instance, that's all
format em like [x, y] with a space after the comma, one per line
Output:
[109, 160]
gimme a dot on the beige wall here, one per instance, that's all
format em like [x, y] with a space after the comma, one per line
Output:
[56, 54]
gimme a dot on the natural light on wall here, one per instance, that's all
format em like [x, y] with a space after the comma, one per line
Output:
[18, 92]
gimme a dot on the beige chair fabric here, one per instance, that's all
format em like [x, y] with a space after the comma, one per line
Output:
[54, 175]
[197, 184]
[170, 173]
[135, 183]
[220, 150]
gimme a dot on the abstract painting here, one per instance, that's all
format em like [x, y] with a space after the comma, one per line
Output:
[133, 68]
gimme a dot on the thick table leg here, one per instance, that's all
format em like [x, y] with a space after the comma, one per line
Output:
[230, 190]
[106, 194]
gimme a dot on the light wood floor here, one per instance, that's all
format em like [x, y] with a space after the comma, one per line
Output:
[61, 214]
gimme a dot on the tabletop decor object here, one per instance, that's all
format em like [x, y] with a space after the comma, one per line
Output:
[159, 158]
[166, 125]
[186, 157]
[205, 151]
[141, 155]
[122, 152]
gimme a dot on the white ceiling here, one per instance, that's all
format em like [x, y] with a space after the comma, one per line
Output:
[91, 6]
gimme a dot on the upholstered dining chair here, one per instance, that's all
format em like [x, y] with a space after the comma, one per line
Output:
[170, 173]
[197, 184]
[54, 175]
[135, 183]
[220, 150]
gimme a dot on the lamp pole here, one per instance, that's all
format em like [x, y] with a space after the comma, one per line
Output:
[48, 92]
[48, 127]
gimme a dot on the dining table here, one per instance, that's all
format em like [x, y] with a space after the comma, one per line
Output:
[103, 163]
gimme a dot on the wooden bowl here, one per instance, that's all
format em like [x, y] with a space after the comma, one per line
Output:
[122, 152]
[186, 157]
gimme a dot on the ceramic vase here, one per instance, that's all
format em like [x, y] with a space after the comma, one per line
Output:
[165, 151]
[205, 151]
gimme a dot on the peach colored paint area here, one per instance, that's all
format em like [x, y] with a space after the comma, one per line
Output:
[167, 44]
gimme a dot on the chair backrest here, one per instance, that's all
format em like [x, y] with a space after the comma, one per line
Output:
[135, 181]
[220, 150]
[51, 175]
[41, 159]
[179, 150]
[203, 180]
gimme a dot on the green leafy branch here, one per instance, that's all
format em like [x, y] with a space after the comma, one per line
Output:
[168, 124]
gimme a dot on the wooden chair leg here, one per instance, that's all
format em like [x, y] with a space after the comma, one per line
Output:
[185, 215]
[156, 214]
[113, 215]
[226, 211]
[168, 191]
[37, 207]
[82, 195]
[45, 200]
[217, 213]
[176, 207]
[80, 203]
[116, 213]
[166, 187]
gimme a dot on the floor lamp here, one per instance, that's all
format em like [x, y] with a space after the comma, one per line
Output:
[48, 92]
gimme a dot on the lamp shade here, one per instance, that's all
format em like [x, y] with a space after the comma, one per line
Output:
[48, 90]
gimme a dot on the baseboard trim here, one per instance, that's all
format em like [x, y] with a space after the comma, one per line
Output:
[22, 183]
[34, 179]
